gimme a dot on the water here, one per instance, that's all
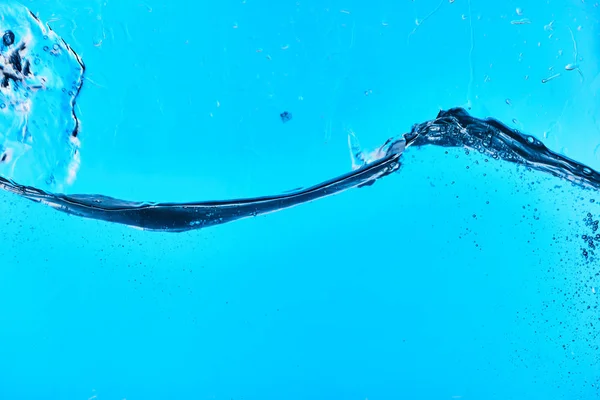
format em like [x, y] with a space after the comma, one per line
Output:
[460, 260]
[40, 77]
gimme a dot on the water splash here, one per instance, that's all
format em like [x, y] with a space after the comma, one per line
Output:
[180, 217]
[456, 128]
[40, 77]
[451, 128]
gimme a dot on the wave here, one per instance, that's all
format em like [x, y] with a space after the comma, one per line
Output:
[41, 76]
[451, 128]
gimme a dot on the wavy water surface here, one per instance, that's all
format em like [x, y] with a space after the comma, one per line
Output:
[40, 78]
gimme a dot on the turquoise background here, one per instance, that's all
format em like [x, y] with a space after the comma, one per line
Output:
[456, 278]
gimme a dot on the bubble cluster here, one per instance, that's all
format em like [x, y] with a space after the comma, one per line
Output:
[592, 239]
[40, 77]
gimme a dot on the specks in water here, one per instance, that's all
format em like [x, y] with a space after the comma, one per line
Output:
[571, 67]
[546, 80]
[522, 21]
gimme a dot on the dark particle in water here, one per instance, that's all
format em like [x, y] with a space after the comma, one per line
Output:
[285, 116]
[8, 38]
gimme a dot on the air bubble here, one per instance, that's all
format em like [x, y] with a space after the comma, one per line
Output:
[8, 38]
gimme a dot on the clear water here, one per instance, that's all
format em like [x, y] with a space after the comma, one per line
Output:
[461, 276]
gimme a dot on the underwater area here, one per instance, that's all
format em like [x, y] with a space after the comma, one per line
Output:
[247, 199]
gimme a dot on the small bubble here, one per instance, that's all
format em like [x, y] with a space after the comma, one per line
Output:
[8, 38]
[587, 171]
[530, 140]
[46, 48]
[2, 106]
[56, 47]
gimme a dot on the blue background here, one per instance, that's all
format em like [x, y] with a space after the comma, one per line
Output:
[457, 278]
